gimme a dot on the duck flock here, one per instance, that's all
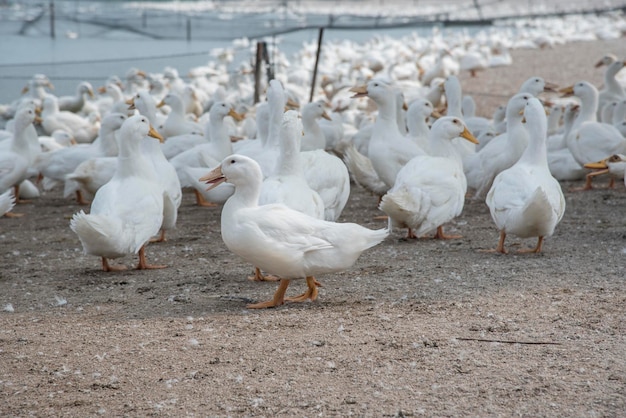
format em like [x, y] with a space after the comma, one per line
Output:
[389, 116]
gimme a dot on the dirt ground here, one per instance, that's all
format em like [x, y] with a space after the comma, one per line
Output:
[425, 327]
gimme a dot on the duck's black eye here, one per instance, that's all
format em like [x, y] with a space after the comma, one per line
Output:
[233, 161]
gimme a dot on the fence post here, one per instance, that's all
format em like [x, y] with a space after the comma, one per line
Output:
[317, 60]
[257, 71]
[52, 34]
[188, 29]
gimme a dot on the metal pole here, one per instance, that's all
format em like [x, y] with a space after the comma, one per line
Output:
[317, 60]
[257, 72]
[52, 35]
[188, 29]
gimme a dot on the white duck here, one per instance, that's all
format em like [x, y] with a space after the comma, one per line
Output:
[612, 89]
[166, 173]
[314, 137]
[76, 102]
[562, 164]
[430, 189]
[168, 178]
[15, 162]
[615, 166]
[7, 201]
[176, 122]
[417, 115]
[501, 152]
[55, 166]
[280, 240]
[590, 141]
[90, 175]
[210, 153]
[266, 152]
[388, 150]
[454, 98]
[288, 184]
[525, 200]
[128, 210]
[58, 140]
[81, 128]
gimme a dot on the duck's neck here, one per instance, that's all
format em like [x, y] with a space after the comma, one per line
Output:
[610, 82]
[131, 162]
[454, 103]
[619, 113]
[289, 156]
[149, 110]
[220, 138]
[536, 152]
[440, 147]
[107, 143]
[517, 134]
[20, 144]
[588, 108]
[417, 126]
[246, 195]
[276, 116]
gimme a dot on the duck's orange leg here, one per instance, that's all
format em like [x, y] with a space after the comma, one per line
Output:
[277, 300]
[440, 235]
[535, 250]
[500, 248]
[107, 267]
[143, 264]
[260, 277]
[311, 292]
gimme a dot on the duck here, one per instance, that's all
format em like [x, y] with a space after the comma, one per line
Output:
[55, 166]
[562, 164]
[76, 102]
[176, 122]
[537, 85]
[89, 176]
[314, 137]
[144, 103]
[81, 128]
[388, 150]
[128, 210]
[58, 140]
[168, 178]
[208, 154]
[525, 200]
[454, 99]
[266, 152]
[112, 100]
[7, 202]
[417, 115]
[612, 90]
[501, 152]
[430, 189]
[280, 240]
[288, 184]
[15, 162]
[362, 171]
[588, 140]
[615, 166]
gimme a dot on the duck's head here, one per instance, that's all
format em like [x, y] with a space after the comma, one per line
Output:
[113, 121]
[236, 169]
[449, 127]
[607, 162]
[220, 110]
[608, 59]
[138, 127]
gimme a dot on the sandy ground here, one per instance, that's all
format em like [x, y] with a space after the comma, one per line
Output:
[412, 329]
